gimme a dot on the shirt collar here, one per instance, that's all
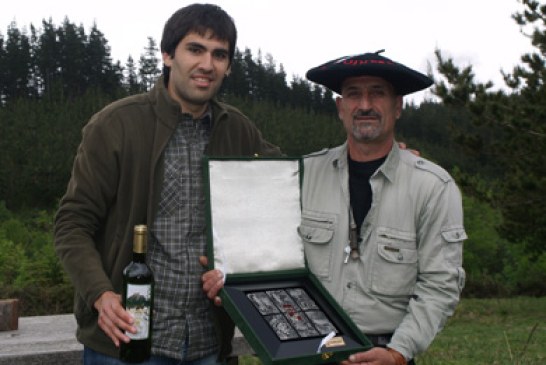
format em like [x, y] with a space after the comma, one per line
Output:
[388, 168]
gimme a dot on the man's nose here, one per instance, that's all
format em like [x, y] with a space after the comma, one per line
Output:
[365, 102]
[206, 61]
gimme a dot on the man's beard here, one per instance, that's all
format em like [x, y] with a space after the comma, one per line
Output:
[371, 128]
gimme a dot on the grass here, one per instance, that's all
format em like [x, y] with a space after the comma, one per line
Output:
[492, 332]
[507, 331]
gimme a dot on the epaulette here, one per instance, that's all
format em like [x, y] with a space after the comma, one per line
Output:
[317, 153]
[437, 170]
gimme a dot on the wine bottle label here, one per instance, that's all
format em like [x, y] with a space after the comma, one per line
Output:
[138, 304]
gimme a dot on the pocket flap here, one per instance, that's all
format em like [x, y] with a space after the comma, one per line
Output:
[315, 235]
[452, 235]
[392, 234]
[397, 255]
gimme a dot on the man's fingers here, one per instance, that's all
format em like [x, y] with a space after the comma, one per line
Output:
[108, 326]
[114, 320]
[213, 281]
[376, 355]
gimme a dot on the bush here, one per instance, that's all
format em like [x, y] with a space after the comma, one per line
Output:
[483, 250]
[29, 269]
[526, 274]
[12, 260]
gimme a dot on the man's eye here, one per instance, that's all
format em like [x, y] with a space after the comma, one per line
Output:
[220, 55]
[194, 49]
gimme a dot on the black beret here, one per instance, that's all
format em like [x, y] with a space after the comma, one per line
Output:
[333, 73]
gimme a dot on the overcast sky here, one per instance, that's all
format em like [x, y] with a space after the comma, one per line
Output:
[301, 34]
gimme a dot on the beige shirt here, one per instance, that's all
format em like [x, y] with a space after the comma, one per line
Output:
[409, 275]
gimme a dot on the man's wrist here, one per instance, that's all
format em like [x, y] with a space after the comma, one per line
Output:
[399, 359]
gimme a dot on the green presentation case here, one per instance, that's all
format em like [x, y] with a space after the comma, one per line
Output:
[282, 309]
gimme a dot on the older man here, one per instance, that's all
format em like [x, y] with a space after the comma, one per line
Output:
[382, 227]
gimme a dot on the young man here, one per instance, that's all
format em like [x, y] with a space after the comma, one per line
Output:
[382, 227]
[140, 162]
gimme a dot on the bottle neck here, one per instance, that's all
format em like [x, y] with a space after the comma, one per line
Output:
[139, 244]
[139, 257]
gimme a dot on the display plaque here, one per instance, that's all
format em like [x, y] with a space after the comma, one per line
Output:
[282, 309]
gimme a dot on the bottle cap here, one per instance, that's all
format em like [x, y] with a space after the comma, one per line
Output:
[140, 229]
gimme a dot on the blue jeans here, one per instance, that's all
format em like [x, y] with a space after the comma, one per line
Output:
[91, 357]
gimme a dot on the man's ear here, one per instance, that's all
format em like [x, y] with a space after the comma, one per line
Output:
[338, 106]
[167, 59]
[399, 105]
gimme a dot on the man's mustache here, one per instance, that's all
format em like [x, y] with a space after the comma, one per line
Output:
[366, 113]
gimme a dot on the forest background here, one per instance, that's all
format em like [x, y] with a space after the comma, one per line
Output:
[54, 77]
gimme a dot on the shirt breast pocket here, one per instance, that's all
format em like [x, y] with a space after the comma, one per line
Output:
[316, 231]
[395, 266]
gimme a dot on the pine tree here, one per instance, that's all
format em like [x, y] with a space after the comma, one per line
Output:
[149, 64]
[509, 127]
[131, 83]
[16, 62]
[72, 40]
[47, 58]
[102, 73]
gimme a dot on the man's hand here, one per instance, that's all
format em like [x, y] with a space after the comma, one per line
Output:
[113, 319]
[403, 146]
[375, 356]
[213, 281]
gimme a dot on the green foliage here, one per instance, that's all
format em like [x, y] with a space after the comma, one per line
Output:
[29, 268]
[38, 142]
[44, 269]
[15, 231]
[483, 249]
[12, 257]
[525, 272]
[295, 130]
[510, 131]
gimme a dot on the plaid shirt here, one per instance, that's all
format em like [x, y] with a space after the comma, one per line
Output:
[182, 313]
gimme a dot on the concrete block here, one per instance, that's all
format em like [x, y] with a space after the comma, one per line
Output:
[51, 340]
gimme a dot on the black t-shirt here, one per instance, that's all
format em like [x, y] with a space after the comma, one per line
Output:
[359, 187]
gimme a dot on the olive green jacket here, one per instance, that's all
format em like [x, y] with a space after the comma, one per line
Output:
[115, 184]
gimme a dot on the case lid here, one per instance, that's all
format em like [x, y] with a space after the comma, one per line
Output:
[254, 213]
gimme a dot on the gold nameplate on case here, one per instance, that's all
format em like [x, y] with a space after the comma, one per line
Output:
[335, 342]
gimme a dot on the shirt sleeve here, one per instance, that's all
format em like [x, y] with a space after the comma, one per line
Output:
[440, 277]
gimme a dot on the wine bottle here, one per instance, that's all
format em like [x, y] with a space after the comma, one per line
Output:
[138, 300]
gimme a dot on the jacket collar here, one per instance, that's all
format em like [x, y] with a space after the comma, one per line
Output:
[168, 110]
